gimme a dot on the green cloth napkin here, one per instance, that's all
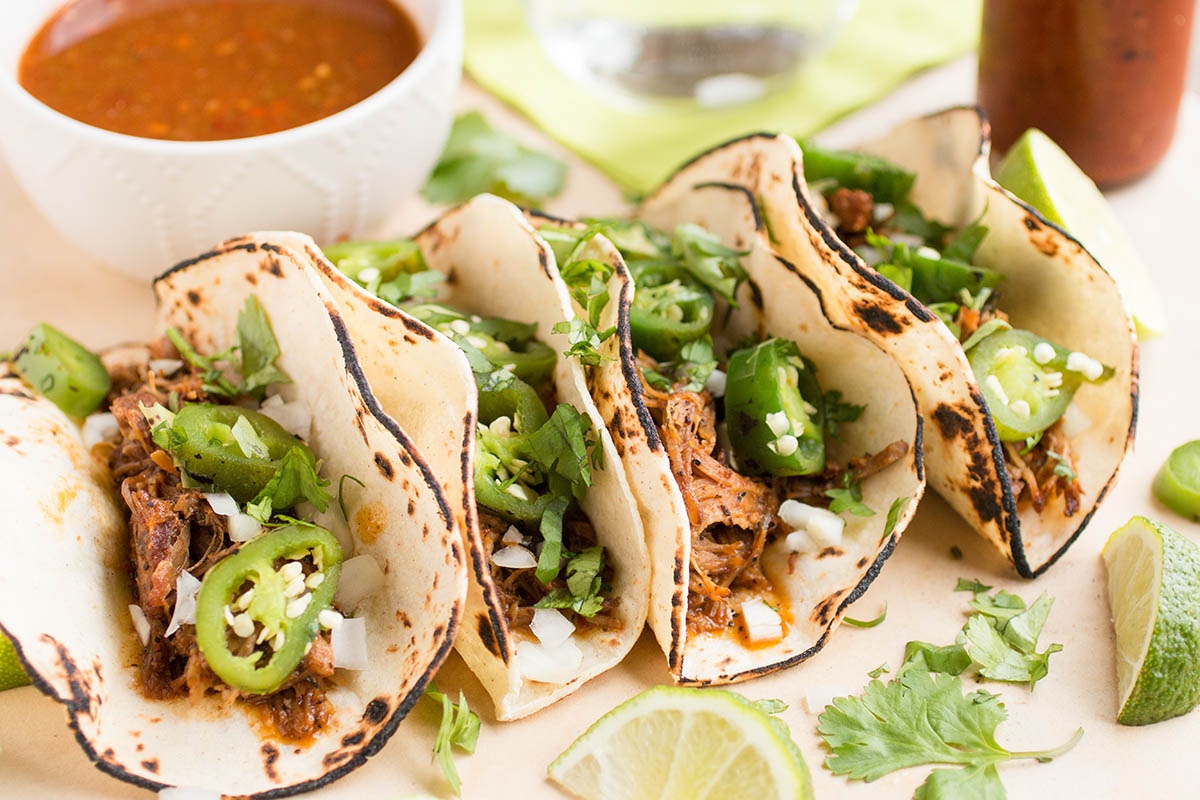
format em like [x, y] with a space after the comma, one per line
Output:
[887, 41]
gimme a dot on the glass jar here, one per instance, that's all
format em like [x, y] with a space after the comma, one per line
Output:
[1103, 78]
[707, 52]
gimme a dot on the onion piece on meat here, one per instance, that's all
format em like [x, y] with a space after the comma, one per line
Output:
[514, 557]
[551, 627]
[222, 503]
[186, 589]
[140, 623]
[99, 428]
[243, 527]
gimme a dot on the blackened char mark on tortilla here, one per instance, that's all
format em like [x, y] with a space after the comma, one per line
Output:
[220, 250]
[384, 466]
[880, 319]
[376, 710]
[487, 634]
[151, 765]
[18, 393]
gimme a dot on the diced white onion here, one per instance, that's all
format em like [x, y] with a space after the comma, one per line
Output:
[551, 627]
[925, 251]
[222, 503]
[99, 428]
[881, 211]
[274, 401]
[243, 527]
[796, 515]
[501, 426]
[514, 557]
[188, 793]
[512, 536]
[140, 623]
[361, 576]
[1075, 421]
[251, 444]
[294, 418]
[166, 366]
[549, 665]
[763, 623]
[716, 383]
[826, 530]
[368, 275]
[349, 642]
[186, 589]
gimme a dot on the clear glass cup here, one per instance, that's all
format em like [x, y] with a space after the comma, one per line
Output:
[707, 52]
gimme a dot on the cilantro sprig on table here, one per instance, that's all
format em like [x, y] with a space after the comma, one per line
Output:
[479, 159]
[922, 716]
[919, 718]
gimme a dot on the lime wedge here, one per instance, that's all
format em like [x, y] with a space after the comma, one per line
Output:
[1154, 592]
[1037, 170]
[691, 744]
[11, 673]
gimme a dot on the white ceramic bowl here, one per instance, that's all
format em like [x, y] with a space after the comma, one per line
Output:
[140, 205]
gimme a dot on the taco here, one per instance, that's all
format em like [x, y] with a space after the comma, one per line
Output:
[1016, 340]
[254, 572]
[775, 455]
[561, 576]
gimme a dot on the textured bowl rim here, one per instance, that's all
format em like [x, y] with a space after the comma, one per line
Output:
[445, 31]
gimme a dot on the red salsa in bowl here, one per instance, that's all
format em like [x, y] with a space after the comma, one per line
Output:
[204, 70]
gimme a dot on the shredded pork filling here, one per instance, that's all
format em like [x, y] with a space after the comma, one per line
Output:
[172, 529]
[733, 517]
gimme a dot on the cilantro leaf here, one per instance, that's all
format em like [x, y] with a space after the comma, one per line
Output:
[295, 479]
[962, 245]
[999, 659]
[582, 594]
[561, 446]
[259, 349]
[893, 516]
[393, 270]
[215, 381]
[951, 659]
[975, 782]
[837, 411]
[921, 718]
[882, 668]
[459, 728]
[707, 260]
[972, 585]
[849, 498]
[479, 159]
[551, 531]
[342, 493]
[583, 340]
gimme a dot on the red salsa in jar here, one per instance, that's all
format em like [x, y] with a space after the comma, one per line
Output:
[1103, 78]
[199, 70]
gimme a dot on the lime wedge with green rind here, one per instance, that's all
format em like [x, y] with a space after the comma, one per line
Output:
[1037, 170]
[675, 743]
[1154, 594]
[11, 673]
[1177, 484]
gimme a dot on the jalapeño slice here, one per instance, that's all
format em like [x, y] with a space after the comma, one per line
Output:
[1026, 381]
[204, 440]
[503, 342]
[670, 308]
[773, 407]
[62, 370]
[259, 582]
[1177, 484]
[502, 451]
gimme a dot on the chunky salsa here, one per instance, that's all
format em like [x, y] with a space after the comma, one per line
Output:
[200, 70]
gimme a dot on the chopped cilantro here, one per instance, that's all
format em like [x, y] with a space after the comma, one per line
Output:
[893, 517]
[582, 594]
[849, 498]
[551, 531]
[393, 270]
[837, 412]
[342, 493]
[1063, 468]
[562, 448]
[215, 381]
[259, 350]
[479, 159]
[459, 728]
[295, 479]
[703, 256]
[882, 668]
